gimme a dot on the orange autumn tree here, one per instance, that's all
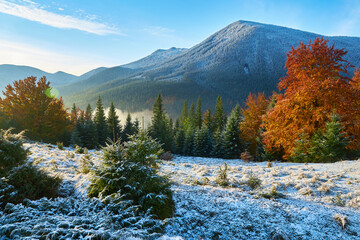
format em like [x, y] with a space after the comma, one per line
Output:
[315, 87]
[256, 107]
[28, 104]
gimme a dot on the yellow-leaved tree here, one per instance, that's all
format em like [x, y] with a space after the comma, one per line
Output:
[28, 105]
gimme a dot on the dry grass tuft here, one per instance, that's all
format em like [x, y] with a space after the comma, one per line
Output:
[341, 219]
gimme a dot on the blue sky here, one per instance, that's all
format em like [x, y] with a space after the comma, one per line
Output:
[78, 35]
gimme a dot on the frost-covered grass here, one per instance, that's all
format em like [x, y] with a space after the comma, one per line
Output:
[291, 200]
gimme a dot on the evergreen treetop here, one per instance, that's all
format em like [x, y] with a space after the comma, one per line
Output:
[100, 121]
[113, 123]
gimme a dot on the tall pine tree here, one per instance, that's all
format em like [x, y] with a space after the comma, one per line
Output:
[129, 129]
[184, 113]
[160, 128]
[90, 137]
[114, 128]
[203, 142]
[100, 122]
[219, 116]
[232, 144]
[198, 114]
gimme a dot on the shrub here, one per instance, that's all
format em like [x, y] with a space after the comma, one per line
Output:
[28, 182]
[272, 194]
[337, 200]
[12, 153]
[253, 181]
[79, 150]
[222, 176]
[128, 173]
[60, 145]
[85, 164]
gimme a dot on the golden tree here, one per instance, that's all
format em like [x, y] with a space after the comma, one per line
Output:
[252, 118]
[315, 87]
[28, 104]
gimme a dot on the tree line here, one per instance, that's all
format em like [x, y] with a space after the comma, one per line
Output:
[313, 117]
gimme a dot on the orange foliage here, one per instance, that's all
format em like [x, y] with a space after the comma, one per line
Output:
[250, 126]
[27, 106]
[315, 88]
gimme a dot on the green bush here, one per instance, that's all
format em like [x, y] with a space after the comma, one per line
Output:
[12, 153]
[128, 173]
[222, 179]
[28, 182]
[328, 145]
[60, 145]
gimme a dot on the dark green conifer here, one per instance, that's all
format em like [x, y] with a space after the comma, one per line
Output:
[160, 128]
[184, 113]
[100, 122]
[329, 145]
[114, 128]
[203, 142]
[129, 129]
[217, 149]
[198, 114]
[232, 144]
[219, 116]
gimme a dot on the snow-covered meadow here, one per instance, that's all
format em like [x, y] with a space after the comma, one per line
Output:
[289, 201]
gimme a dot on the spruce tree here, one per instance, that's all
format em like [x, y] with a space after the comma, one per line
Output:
[203, 142]
[192, 116]
[129, 129]
[100, 122]
[217, 149]
[198, 117]
[90, 135]
[188, 149]
[208, 120]
[179, 141]
[219, 116]
[88, 113]
[160, 128]
[184, 113]
[77, 136]
[232, 144]
[113, 123]
[329, 145]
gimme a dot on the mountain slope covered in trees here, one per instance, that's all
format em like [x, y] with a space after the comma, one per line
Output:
[241, 58]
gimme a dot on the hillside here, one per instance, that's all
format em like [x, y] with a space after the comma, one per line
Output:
[10, 73]
[310, 201]
[240, 58]
[155, 59]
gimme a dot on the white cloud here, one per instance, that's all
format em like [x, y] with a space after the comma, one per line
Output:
[17, 53]
[33, 12]
[159, 31]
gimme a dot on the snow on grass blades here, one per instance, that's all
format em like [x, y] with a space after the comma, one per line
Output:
[128, 173]
[75, 218]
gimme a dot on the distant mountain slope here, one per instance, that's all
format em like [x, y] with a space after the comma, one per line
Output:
[91, 73]
[155, 59]
[243, 55]
[99, 78]
[10, 73]
[240, 58]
